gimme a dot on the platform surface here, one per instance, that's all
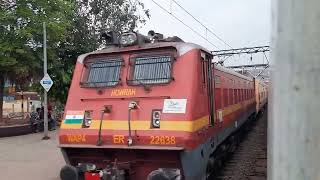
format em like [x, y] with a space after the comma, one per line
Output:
[28, 157]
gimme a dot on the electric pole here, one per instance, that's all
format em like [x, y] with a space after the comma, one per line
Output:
[294, 111]
[45, 104]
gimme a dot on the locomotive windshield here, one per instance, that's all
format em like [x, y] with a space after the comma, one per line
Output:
[103, 73]
[151, 70]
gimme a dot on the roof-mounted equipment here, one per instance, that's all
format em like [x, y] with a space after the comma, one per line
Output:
[110, 37]
[133, 38]
[155, 36]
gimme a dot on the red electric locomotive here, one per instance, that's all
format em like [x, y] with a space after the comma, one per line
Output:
[150, 108]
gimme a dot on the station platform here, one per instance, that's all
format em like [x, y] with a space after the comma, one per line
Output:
[28, 157]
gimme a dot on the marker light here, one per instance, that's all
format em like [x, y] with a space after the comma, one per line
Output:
[156, 116]
[128, 39]
[130, 141]
[87, 120]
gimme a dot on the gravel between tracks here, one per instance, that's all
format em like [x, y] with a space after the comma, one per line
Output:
[249, 161]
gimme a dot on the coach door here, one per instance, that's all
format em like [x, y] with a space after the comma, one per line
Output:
[207, 60]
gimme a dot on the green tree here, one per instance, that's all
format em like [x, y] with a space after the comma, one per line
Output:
[73, 28]
[90, 19]
[21, 37]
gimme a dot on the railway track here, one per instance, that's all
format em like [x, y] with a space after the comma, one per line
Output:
[249, 161]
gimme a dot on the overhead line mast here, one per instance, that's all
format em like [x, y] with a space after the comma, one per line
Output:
[247, 50]
[251, 50]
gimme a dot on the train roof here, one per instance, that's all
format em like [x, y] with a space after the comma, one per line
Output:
[182, 48]
[230, 71]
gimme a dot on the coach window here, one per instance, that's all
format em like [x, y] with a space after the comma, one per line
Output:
[225, 97]
[234, 92]
[251, 92]
[217, 79]
[247, 90]
[225, 94]
[236, 100]
[218, 93]
[242, 94]
[245, 94]
[102, 72]
[231, 98]
[248, 86]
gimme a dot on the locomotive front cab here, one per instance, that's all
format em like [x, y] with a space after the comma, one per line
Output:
[129, 111]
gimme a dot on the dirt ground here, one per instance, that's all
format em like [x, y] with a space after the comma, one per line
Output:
[30, 158]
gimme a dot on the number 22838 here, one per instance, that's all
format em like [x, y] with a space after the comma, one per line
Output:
[163, 140]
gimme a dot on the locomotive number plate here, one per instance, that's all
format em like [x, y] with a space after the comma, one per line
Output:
[77, 138]
[162, 140]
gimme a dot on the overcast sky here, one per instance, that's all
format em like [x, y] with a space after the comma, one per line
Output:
[241, 23]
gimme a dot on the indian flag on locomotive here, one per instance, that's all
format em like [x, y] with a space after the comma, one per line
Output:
[73, 119]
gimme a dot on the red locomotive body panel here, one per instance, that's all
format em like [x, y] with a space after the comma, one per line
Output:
[185, 134]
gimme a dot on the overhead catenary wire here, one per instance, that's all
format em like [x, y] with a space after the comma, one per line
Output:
[207, 29]
[178, 19]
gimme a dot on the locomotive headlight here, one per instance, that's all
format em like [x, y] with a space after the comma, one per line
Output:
[157, 122]
[128, 39]
[156, 116]
[87, 120]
